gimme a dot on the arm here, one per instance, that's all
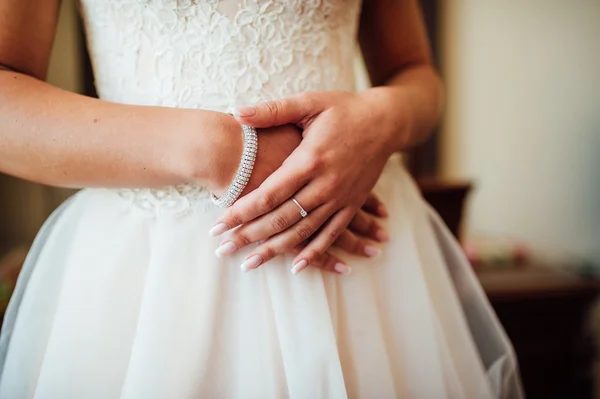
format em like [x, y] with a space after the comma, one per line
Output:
[55, 137]
[405, 83]
[348, 138]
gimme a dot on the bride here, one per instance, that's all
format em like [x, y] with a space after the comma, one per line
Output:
[228, 134]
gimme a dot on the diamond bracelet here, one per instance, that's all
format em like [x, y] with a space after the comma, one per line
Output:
[242, 176]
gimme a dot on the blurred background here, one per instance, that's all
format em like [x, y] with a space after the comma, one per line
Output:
[513, 169]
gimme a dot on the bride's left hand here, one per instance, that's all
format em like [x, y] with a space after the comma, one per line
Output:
[346, 142]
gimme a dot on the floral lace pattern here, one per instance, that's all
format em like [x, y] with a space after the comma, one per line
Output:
[214, 54]
[174, 199]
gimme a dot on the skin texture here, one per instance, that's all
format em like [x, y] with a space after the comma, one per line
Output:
[58, 138]
[347, 139]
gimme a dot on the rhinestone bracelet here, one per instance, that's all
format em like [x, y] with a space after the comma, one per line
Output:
[242, 176]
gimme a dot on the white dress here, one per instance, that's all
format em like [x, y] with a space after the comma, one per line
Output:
[122, 296]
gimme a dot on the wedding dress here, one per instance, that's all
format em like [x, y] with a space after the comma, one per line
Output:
[122, 296]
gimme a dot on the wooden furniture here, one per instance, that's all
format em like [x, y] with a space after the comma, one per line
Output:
[545, 313]
[448, 199]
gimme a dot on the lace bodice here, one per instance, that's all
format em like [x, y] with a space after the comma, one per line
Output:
[213, 54]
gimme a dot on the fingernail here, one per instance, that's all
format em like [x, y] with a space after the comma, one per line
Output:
[299, 266]
[382, 236]
[218, 229]
[371, 251]
[251, 263]
[244, 111]
[225, 249]
[382, 211]
[341, 268]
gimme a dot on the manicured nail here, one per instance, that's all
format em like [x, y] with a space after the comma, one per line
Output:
[341, 268]
[299, 266]
[225, 249]
[244, 111]
[382, 236]
[371, 251]
[218, 229]
[382, 211]
[251, 263]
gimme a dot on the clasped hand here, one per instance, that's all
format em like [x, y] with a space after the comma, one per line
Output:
[344, 147]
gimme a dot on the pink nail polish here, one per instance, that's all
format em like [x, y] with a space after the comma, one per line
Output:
[244, 111]
[225, 249]
[299, 266]
[371, 251]
[251, 263]
[341, 268]
[382, 236]
[218, 229]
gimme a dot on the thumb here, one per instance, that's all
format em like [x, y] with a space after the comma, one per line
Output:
[294, 110]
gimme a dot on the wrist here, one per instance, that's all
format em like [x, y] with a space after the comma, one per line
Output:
[392, 115]
[211, 150]
[224, 154]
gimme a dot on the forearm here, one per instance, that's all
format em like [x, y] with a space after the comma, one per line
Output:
[410, 103]
[55, 137]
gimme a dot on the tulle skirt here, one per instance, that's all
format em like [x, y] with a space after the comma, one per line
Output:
[120, 300]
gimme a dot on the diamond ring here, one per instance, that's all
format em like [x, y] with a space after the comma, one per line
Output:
[303, 213]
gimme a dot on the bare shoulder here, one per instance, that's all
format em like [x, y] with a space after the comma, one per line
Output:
[27, 29]
[392, 35]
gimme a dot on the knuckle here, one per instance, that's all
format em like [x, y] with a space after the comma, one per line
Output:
[277, 222]
[241, 239]
[320, 261]
[269, 253]
[235, 218]
[334, 234]
[267, 202]
[321, 197]
[303, 231]
[311, 162]
[312, 254]
[335, 178]
[275, 107]
[337, 201]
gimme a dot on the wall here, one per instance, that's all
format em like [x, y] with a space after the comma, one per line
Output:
[523, 119]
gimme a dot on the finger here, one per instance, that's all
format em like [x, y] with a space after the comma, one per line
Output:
[325, 262]
[374, 206]
[367, 226]
[326, 237]
[288, 239]
[265, 226]
[260, 229]
[272, 193]
[279, 112]
[276, 189]
[350, 243]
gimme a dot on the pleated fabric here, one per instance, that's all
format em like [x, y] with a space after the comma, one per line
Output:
[118, 302]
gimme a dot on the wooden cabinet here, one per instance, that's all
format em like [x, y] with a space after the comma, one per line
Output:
[546, 315]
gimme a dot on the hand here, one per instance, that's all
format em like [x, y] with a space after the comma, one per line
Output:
[355, 240]
[331, 173]
[276, 144]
